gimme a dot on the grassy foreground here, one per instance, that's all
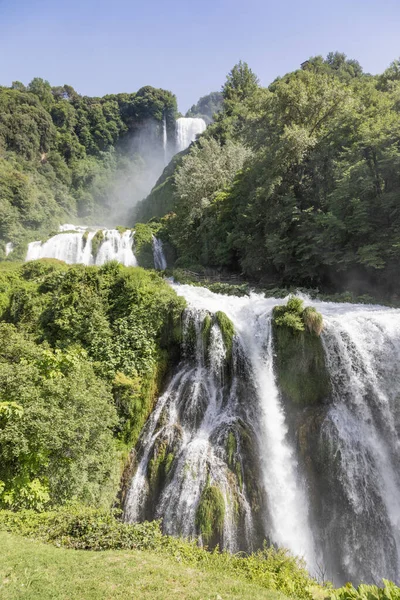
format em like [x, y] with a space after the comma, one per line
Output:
[32, 570]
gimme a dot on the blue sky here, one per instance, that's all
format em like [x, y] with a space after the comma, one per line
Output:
[185, 46]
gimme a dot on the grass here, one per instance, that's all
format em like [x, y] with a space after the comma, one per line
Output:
[32, 570]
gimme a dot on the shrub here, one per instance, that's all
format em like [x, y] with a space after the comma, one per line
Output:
[296, 318]
[313, 320]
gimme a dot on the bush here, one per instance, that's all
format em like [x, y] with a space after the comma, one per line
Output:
[296, 318]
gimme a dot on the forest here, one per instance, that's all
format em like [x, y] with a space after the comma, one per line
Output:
[62, 155]
[294, 184]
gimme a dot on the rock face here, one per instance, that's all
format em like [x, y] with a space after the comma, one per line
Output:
[299, 355]
[300, 366]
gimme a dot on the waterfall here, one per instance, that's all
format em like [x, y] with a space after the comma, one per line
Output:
[165, 141]
[362, 431]
[9, 248]
[75, 244]
[186, 131]
[216, 421]
[159, 256]
[322, 481]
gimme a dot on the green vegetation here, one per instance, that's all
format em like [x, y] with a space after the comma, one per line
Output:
[206, 331]
[32, 570]
[143, 245]
[300, 360]
[88, 529]
[371, 592]
[84, 354]
[210, 514]
[97, 240]
[128, 550]
[295, 184]
[63, 156]
[159, 466]
[228, 331]
[207, 106]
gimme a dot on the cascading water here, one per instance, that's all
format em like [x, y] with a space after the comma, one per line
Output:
[217, 420]
[361, 431]
[160, 261]
[187, 129]
[75, 245]
[165, 141]
[322, 480]
[9, 248]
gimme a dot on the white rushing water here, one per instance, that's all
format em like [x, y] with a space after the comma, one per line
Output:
[9, 248]
[341, 512]
[187, 129]
[165, 141]
[215, 410]
[160, 261]
[75, 245]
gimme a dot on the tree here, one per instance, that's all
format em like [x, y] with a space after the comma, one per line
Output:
[240, 84]
[42, 89]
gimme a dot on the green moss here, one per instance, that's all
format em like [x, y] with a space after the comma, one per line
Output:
[300, 365]
[206, 332]
[159, 466]
[231, 448]
[143, 245]
[228, 331]
[232, 460]
[190, 339]
[97, 241]
[85, 238]
[210, 513]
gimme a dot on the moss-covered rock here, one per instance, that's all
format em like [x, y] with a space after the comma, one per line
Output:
[97, 241]
[228, 331]
[159, 466]
[299, 356]
[206, 332]
[85, 238]
[143, 245]
[210, 514]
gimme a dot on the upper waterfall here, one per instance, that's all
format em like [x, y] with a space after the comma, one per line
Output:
[186, 131]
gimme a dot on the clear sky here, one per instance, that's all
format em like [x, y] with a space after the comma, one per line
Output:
[186, 46]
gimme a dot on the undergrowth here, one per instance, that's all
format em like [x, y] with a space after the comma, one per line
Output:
[85, 528]
[90, 529]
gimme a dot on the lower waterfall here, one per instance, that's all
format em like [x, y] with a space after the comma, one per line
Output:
[321, 480]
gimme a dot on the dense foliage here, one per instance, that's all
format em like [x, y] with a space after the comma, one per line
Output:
[207, 107]
[315, 202]
[84, 350]
[64, 156]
